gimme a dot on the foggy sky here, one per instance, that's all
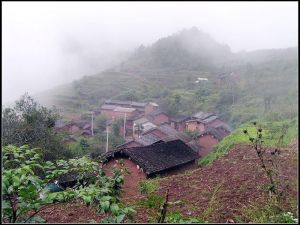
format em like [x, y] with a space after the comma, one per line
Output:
[45, 44]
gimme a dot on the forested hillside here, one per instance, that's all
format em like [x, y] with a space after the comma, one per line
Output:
[240, 87]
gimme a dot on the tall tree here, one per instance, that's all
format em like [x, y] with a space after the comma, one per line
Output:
[30, 123]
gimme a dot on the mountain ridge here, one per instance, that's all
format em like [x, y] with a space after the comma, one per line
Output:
[171, 65]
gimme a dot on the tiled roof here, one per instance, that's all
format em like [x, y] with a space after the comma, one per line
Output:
[108, 107]
[172, 133]
[156, 112]
[179, 118]
[141, 120]
[194, 145]
[209, 119]
[159, 157]
[123, 109]
[203, 115]
[118, 102]
[147, 139]
[215, 132]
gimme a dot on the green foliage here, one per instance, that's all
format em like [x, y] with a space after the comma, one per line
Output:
[115, 141]
[25, 177]
[21, 186]
[271, 133]
[116, 127]
[176, 217]
[267, 212]
[100, 123]
[153, 201]
[213, 202]
[84, 144]
[148, 186]
[32, 124]
[172, 103]
[130, 95]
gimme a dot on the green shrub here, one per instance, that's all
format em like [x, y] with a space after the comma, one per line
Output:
[148, 186]
[25, 178]
[153, 201]
[271, 133]
[176, 217]
[265, 213]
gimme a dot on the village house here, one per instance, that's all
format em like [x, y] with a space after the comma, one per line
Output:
[73, 126]
[162, 133]
[107, 110]
[164, 159]
[150, 107]
[179, 122]
[140, 106]
[145, 140]
[141, 125]
[118, 112]
[202, 120]
[166, 133]
[158, 117]
[79, 126]
[209, 138]
[128, 111]
[196, 123]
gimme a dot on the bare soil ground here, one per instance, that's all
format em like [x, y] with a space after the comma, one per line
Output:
[236, 179]
[216, 192]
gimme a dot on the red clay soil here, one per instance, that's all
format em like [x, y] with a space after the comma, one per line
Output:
[75, 212]
[131, 179]
[238, 175]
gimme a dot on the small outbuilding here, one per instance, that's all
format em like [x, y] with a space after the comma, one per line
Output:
[163, 158]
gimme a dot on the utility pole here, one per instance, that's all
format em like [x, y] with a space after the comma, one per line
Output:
[106, 139]
[92, 123]
[133, 130]
[124, 125]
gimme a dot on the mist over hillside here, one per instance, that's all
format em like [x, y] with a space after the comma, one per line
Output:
[190, 49]
[242, 86]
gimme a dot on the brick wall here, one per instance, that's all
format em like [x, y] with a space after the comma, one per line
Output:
[108, 113]
[150, 108]
[180, 126]
[131, 180]
[208, 142]
[215, 122]
[160, 119]
[157, 133]
[195, 125]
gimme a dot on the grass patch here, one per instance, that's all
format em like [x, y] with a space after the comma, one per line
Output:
[271, 133]
[176, 217]
[148, 186]
[212, 203]
[153, 201]
[265, 213]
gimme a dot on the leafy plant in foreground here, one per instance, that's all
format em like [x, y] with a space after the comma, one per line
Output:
[25, 177]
